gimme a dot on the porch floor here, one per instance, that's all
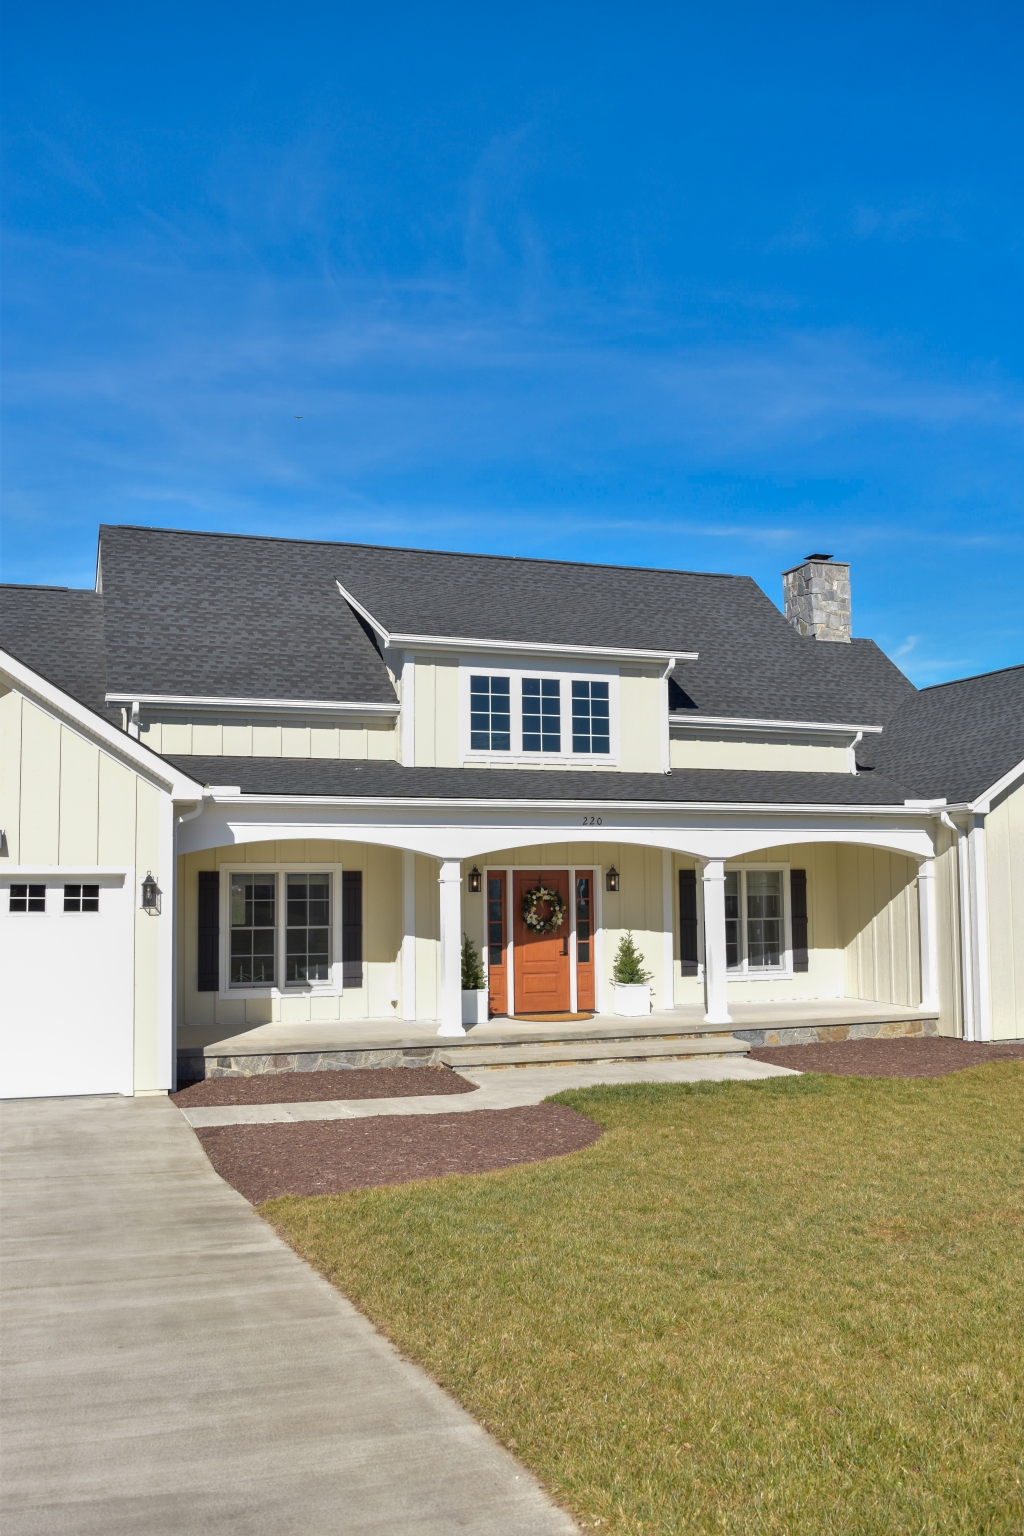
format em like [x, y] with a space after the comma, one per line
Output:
[392, 1034]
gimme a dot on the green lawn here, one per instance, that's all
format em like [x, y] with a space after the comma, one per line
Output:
[789, 1306]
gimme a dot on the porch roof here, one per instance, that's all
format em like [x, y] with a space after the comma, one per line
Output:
[349, 778]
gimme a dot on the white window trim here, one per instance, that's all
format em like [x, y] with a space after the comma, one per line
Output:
[783, 972]
[516, 757]
[332, 988]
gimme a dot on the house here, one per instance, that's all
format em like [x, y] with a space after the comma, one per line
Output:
[253, 791]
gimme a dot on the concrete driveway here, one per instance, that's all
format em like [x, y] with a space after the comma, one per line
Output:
[171, 1366]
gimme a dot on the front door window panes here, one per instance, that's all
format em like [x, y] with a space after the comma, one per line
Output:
[308, 931]
[253, 929]
[542, 728]
[583, 930]
[764, 918]
[591, 730]
[490, 714]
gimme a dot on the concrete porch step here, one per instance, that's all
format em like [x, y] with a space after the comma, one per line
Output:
[572, 1051]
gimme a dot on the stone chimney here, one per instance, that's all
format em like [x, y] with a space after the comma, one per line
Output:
[817, 596]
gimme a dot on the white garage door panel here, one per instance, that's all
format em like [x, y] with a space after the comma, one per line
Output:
[67, 985]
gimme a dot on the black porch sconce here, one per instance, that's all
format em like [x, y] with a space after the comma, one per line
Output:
[611, 879]
[150, 895]
[475, 881]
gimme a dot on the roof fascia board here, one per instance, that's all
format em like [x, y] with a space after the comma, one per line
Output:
[983, 804]
[179, 785]
[212, 701]
[732, 722]
[393, 639]
[921, 809]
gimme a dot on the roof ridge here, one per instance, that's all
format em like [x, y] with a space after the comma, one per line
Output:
[975, 677]
[408, 549]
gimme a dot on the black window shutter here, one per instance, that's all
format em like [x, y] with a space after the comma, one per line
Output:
[209, 930]
[352, 928]
[688, 921]
[798, 912]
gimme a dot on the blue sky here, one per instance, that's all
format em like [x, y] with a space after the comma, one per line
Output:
[696, 286]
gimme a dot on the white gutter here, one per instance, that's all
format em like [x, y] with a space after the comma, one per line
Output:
[711, 807]
[211, 701]
[393, 640]
[734, 722]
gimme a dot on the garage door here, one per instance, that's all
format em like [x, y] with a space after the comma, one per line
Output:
[67, 983]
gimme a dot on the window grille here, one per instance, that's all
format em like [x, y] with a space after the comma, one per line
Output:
[590, 717]
[542, 725]
[253, 929]
[81, 898]
[490, 710]
[308, 934]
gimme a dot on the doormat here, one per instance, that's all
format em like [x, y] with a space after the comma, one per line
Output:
[551, 1018]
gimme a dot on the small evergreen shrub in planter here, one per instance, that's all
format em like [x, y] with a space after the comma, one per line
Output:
[474, 988]
[631, 981]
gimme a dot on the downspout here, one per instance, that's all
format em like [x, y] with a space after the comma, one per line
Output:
[666, 747]
[966, 926]
[851, 752]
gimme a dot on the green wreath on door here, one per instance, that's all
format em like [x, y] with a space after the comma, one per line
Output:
[536, 898]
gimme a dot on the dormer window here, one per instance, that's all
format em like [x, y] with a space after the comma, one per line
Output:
[490, 722]
[591, 725]
[542, 714]
[538, 715]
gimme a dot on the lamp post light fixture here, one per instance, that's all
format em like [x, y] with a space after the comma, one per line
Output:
[475, 881]
[150, 894]
[611, 879]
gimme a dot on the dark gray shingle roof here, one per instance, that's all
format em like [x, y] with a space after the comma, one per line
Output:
[956, 739]
[333, 776]
[230, 615]
[212, 615]
[58, 632]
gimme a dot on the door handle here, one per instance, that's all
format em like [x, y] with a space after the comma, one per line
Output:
[565, 946]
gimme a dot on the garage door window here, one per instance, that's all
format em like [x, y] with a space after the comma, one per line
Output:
[28, 898]
[81, 898]
[253, 929]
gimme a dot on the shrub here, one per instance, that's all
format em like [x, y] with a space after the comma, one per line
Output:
[472, 969]
[628, 970]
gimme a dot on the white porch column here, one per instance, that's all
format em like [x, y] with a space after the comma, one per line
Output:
[715, 996]
[450, 880]
[408, 936]
[668, 985]
[928, 923]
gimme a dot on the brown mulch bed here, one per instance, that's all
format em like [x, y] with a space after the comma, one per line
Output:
[312, 1087]
[928, 1057]
[325, 1157]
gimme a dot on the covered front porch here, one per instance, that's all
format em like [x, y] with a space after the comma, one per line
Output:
[841, 926]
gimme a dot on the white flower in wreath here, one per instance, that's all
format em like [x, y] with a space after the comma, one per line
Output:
[536, 898]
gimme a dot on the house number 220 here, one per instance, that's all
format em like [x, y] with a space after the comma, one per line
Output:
[593, 821]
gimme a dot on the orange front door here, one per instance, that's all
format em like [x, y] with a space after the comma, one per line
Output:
[541, 959]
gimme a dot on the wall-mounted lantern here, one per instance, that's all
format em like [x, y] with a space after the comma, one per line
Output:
[151, 894]
[611, 879]
[475, 881]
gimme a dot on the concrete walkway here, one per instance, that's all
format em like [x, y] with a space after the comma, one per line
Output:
[171, 1367]
[499, 1088]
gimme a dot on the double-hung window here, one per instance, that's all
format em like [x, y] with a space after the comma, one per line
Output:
[591, 727]
[542, 714]
[308, 936]
[281, 928]
[490, 714]
[755, 920]
[253, 929]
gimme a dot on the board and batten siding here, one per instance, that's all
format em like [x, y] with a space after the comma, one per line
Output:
[878, 925]
[379, 997]
[268, 736]
[1004, 866]
[757, 752]
[64, 800]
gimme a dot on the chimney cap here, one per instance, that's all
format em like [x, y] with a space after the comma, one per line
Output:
[817, 557]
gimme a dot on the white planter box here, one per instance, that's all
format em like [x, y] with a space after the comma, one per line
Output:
[631, 1002]
[474, 1006]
